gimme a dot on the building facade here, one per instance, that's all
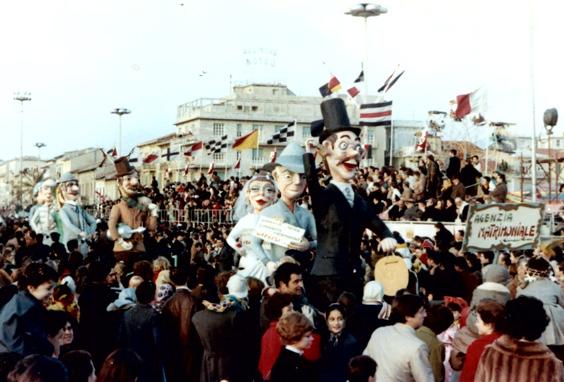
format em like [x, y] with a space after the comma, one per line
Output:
[263, 107]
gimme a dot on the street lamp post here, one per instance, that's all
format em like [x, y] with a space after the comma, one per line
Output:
[120, 111]
[39, 145]
[550, 120]
[366, 10]
[21, 97]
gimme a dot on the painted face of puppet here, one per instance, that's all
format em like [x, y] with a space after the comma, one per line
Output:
[291, 184]
[261, 194]
[71, 190]
[45, 195]
[343, 156]
[129, 185]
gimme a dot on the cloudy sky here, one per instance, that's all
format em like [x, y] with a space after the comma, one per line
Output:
[80, 59]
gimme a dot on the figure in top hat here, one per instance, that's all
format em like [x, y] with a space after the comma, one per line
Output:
[289, 173]
[133, 214]
[341, 214]
[74, 222]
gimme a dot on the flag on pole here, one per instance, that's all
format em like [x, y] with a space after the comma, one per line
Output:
[468, 103]
[283, 134]
[394, 81]
[216, 146]
[248, 141]
[150, 158]
[381, 88]
[376, 114]
[211, 168]
[330, 87]
[112, 152]
[360, 77]
[191, 148]
[273, 155]
[237, 164]
[353, 92]
[186, 169]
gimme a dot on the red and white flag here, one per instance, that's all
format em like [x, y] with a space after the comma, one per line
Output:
[273, 156]
[353, 92]
[193, 147]
[376, 114]
[212, 168]
[150, 158]
[470, 103]
[237, 164]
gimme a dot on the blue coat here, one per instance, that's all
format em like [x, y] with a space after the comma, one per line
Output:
[22, 327]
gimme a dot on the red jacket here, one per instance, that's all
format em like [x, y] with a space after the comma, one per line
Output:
[473, 354]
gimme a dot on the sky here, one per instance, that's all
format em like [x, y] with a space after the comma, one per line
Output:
[81, 59]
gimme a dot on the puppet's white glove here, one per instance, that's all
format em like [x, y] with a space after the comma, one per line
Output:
[125, 244]
[388, 244]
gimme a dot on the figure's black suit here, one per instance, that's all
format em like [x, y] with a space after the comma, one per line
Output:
[339, 232]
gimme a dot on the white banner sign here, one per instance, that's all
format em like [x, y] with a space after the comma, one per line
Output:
[275, 232]
[503, 226]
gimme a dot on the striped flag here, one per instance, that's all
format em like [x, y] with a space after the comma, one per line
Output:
[376, 114]
[283, 134]
[211, 169]
[273, 155]
[390, 81]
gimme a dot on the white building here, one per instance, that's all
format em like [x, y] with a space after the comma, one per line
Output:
[263, 107]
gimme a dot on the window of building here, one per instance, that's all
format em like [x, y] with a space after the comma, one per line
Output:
[259, 128]
[254, 108]
[218, 156]
[239, 129]
[305, 132]
[257, 154]
[239, 107]
[218, 129]
[370, 137]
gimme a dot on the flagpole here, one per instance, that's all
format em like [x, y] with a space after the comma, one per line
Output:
[533, 108]
[392, 142]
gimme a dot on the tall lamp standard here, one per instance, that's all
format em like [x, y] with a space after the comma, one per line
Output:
[39, 146]
[120, 111]
[366, 10]
[21, 97]
[550, 120]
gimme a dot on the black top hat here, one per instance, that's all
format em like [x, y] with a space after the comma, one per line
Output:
[123, 167]
[335, 119]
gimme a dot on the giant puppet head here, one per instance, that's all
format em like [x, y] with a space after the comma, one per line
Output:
[127, 178]
[257, 194]
[288, 172]
[68, 189]
[340, 142]
[44, 191]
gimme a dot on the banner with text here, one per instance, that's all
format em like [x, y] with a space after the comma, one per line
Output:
[503, 226]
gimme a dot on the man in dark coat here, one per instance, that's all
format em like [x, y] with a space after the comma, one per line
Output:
[453, 164]
[433, 178]
[341, 214]
[469, 177]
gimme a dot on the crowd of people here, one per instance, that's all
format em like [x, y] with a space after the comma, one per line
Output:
[181, 313]
[150, 297]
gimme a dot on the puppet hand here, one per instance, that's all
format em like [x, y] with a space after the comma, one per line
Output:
[125, 244]
[387, 245]
[301, 246]
[310, 146]
[153, 209]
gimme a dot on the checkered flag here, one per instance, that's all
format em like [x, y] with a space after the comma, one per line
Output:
[216, 146]
[283, 134]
